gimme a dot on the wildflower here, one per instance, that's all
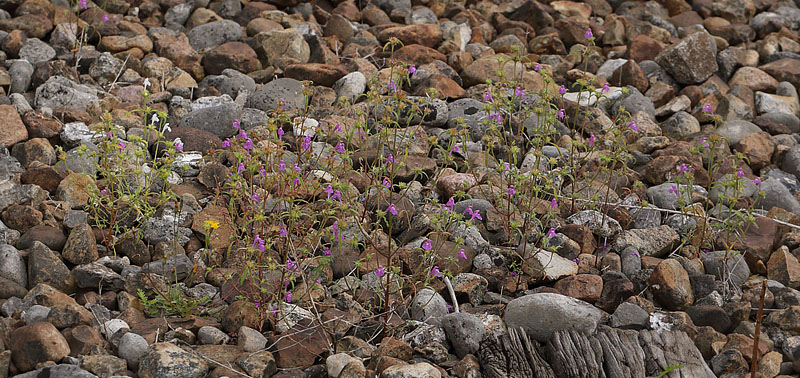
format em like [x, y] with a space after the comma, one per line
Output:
[513, 274]
[335, 231]
[496, 117]
[707, 109]
[212, 224]
[291, 265]
[340, 147]
[553, 203]
[283, 232]
[178, 145]
[338, 128]
[280, 133]
[386, 183]
[255, 197]
[391, 209]
[474, 214]
[605, 88]
[104, 191]
[248, 144]
[511, 190]
[461, 254]
[519, 92]
[633, 126]
[683, 168]
[390, 158]
[560, 114]
[379, 272]
[236, 124]
[240, 168]
[740, 173]
[287, 297]
[576, 260]
[258, 243]
[703, 141]
[449, 308]
[329, 191]
[449, 205]
[487, 96]
[435, 271]
[242, 134]
[591, 139]
[551, 233]
[392, 86]
[538, 67]
[83, 4]
[562, 90]
[166, 128]
[297, 167]
[326, 251]
[281, 166]
[146, 83]
[673, 189]
[634, 253]
[454, 149]
[427, 245]
[122, 145]
[105, 18]
[757, 181]
[306, 142]
[226, 143]
[262, 171]
[337, 195]
[588, 34]
[154, 119]
[412, 69]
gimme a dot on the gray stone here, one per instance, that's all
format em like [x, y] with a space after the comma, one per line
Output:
[230, 82]
[730, 265]
[35, 314]
[75, 133]
[766, 102]
[351, 86]
[214, 34]
[553, 312]
[208, 335]
[389, 5]
[791, 161]
[35, 51]
[251, 340]
[268, 96]
[60, 91]
[12, 265]
[61, 370]
[629, 316]
[132, 348]
[178, 14]
[425, 334]
[94, 276]
[680, 125]
[45, 267]
[788, 180]
[276, 46]
[776, 194]
[692, 60]
[217, 120]
[169, 360]
[634, 102]
[336, 362]
[21, 72]
[657, 241]
[735, 130]
[105, 68]
[786, 88]
[421, 15]
[173, 266]
[677, 104]
[417, 370]
[609, 66]
[465, 332]
[600, 225]
[665, 197]
[471, 112]
[428, 305]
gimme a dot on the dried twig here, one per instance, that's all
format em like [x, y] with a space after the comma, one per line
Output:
[757, 333]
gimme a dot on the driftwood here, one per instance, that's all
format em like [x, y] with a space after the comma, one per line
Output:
[512, 355]
[609, 353]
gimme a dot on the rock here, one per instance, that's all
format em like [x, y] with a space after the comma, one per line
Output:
[470, 287]
[278, 47]
[586, 287]
[776, 195]
[231, 55]
[268, 96]
[36, 51]
[546, 265]
[13, 130]
[674, 291]
[132, 347]
[351, 86]
[250, 339]
[692, 60]
[336, 362]
[214, 34]
[212, 336]
[45, 267]
[320, 74]
[177, 266]
[21, 73]
[59, 91]
[554, 312]
[422, 34]
[12, 265]
[629, 316]
[784, 268]
[601, 225]
[753, 78]
[165, 359]
[81, 247]
[104, 365]
[680, 125]
[36, 343]
[784, 70]
[427, 305]
[657, 241]
[418, 370]
[465, 332]
[216, 119]
[766, 103]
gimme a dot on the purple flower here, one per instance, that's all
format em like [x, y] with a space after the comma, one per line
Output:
[461, 254]
[179, 146]
[104, 191]
[673, 189]
[435, 272]
[576, 260]
[337, 128]
[454, 149]
[562, 90]
[283, 232]
[707, 109]
[306, 142]
[291, 265]
[757, 181]
[451, 203]
[236, 124]
[340, 147]
[258, 243]
[242, 134]
[262, 171]
[391, 209]
[255, 197]
[538, 67]
[390, 158]
[487, 97]
[122, 145]
[426, 245]
[326, 251]
[337, 195]
[392, 86]
[703, 141]
[496, 117]
[588, 34]
[226, 143]
[248, 144]
[379, 272]
[551, 233]
[605, 88]
[511, 190]
[412, 69]
[633, 126]
[280, 132]
[560, 114]
[553, 203]
[287, 297]
[740, 173]
[105, 18]
[281, 166]
[683, 168]
[329, 191]
[83, 4]
[519, 92]
[513, 274]
[634, 253]
[474, 214]
[240, 168]
[386, 183]
[591, 139]
[297, 167]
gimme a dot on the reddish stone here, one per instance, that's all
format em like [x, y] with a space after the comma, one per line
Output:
[426, 34]
[300, 346]
[630, 74]
[444, 87]
[418, 54]
[319, 73]
[586, 287]
[235, 55]
[643, 48]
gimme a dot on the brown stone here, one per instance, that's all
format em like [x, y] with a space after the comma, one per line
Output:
[13, 130]
[301, 345]
[630, 74]
[236, 55]
[177, 49]
[418, 54]
[84, 340]
[318, 73]
[586, 287]
[757, 246]
[443, 86]
[425, 34]
[758, 148]
[21, 217]
[785, 69]
[784, 268]
[391, 347]
[34, 25]
[674, 290]
[753, 78]
[643, 48]
[37, 343]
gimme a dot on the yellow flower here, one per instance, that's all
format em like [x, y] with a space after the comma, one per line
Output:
[212, 224]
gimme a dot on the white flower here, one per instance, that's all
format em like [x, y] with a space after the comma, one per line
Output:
[155, 119]
[166, 128]
[146, 83]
